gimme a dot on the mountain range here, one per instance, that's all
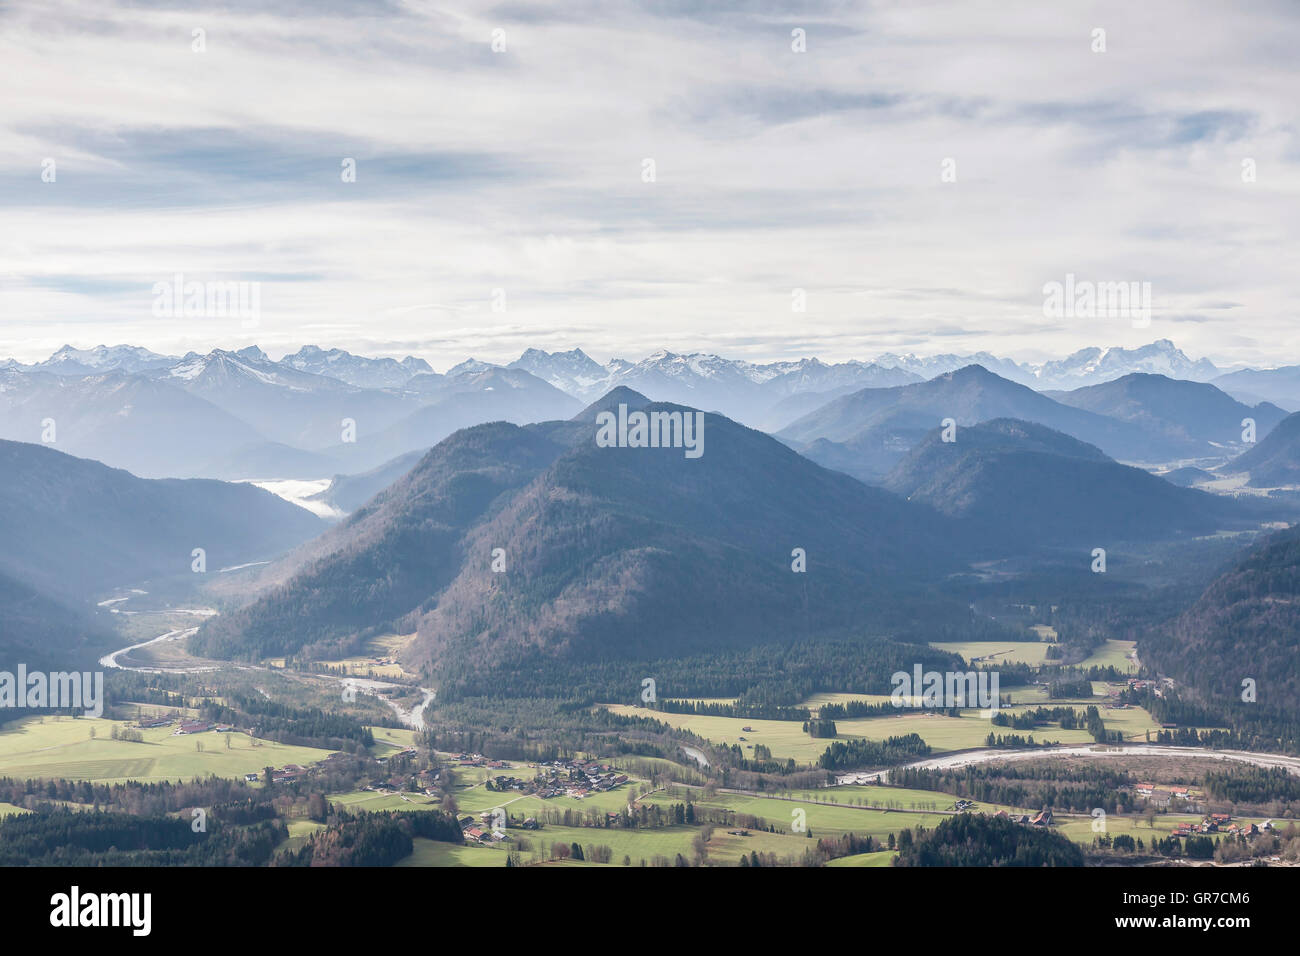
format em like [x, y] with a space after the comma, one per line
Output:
[615, 551]
[505, 543]
[238, 415]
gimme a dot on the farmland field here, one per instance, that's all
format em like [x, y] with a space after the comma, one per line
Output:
[44, 747]
[786, 738]
[988, 653]
[1112, 654]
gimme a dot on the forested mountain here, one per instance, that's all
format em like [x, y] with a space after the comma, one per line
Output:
[606, 551]
[392, 555]
[84, 527]
[39, 630]
[1022, 486]
[1194, 419]
[1245, 625]
[867, 432]
[1275, 460]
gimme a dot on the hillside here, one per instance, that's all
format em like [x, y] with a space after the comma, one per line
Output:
[41, 631]
[85, 527]
[867, 432]
[1247, 622]
[1275, 460]
[1192, 418]
[389, 557]
[614, 552]
[150, 427]
[1022, 486]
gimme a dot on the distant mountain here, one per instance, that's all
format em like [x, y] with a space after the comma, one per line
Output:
[1021, 486]
[1093, 366]
[609, 552]
[349, 492]
[1245, 625]
[148, 426]
[795, 407]
[283, 404]
[455, 401]
[85, 527]
[573, 372]
[354, 369]
[929, 366]
[1281, 386]
[1275, 460]
[1193, 417]
[267, 460]
[1187, 476]
[101, 359]
[741, 390]
[867, 432]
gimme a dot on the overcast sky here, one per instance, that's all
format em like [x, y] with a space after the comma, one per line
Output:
[522, 170]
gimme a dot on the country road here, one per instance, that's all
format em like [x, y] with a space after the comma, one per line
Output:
[967, 758]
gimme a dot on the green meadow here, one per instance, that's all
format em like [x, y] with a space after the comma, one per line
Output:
[1112, 654]
[786, 738]
[991, 653]
[47, 747]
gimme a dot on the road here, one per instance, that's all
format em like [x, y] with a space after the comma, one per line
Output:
[968, 757]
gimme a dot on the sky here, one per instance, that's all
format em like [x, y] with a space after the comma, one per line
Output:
[919, 170]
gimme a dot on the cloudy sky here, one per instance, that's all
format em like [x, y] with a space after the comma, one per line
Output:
[522, 169]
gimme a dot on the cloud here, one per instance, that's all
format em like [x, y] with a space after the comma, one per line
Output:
[522, 171]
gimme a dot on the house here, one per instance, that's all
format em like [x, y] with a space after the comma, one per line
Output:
[1042, 818]
[193, 727]
[530, 823]
[251, 777]
[474, 833]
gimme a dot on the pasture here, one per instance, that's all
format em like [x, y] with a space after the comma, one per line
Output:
[48, 747]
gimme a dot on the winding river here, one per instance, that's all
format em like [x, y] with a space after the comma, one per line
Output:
[413, 718]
